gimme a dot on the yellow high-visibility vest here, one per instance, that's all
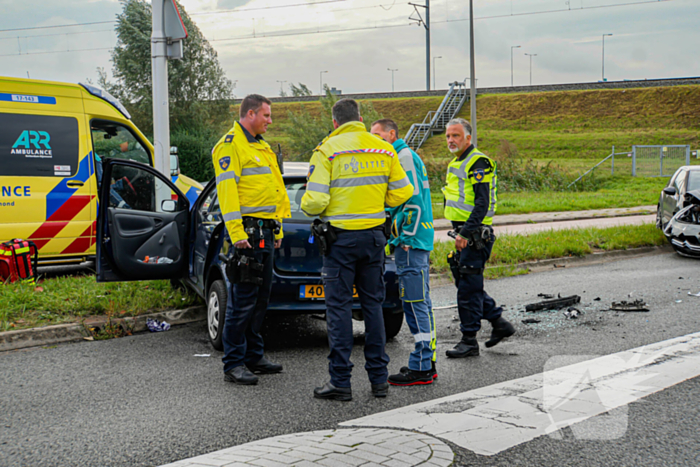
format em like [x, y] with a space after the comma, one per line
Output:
[353, 175]
[248, 181]
[459, 191]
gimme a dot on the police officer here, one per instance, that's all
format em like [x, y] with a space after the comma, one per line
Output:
[412, 234]
[352, 176]
[470, 203]
[253, 202]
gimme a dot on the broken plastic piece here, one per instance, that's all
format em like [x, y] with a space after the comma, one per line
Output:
[156, 326]
[694, 294]
[572, 313]
[637, 305]
[555, 304]
[597, 299]
[531, 321]
[202, 355]
[545, 295]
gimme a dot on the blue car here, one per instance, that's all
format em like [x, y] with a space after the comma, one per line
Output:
[158, 236]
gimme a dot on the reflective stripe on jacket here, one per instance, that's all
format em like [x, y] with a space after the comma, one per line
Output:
[353, 175]
[248, 181]
[412, 222]
[459, 191]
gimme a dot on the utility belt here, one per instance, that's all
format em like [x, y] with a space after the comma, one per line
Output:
[242, 267]
[459, 270]
[255, 223]
[325, 234]
[477, 239]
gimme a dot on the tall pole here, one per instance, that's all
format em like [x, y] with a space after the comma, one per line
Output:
[392, 77]
[604, 54]
[320, 82]
[161, 108]
[434, 85]
[281, 86]
[531, 55]
[472, 94]
[511, 61]
[427, 45]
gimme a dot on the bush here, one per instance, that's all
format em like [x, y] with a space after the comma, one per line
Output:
[306, 131]
[194, 151]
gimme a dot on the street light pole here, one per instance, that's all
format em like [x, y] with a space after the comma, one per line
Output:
[531, 55]
[604, 54]
[472, 94]
[434, 86]
[511, 62]
[392, 70]
[320, 81]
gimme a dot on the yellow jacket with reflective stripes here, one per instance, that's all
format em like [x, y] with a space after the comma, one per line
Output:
[352, 177]
[459, 191]
[248, 181]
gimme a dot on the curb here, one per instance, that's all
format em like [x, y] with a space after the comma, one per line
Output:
[570, 261]
[50, 335]
[542, 217]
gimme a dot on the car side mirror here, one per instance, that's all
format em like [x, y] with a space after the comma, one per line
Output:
[168, 205]
[670, 190]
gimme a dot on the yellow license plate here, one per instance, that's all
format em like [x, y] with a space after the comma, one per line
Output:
[317, 291]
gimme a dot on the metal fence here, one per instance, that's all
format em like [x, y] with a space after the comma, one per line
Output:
[659, 161]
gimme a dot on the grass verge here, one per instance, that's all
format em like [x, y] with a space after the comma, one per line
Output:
[511, 250]
[70, 298]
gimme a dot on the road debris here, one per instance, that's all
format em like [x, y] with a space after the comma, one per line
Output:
[546, 296]
[531, 321]
[156, 326]
[554, 304]
[694, 294]
[637, 305]
[597, 299]
[572, 313]
[202, 355]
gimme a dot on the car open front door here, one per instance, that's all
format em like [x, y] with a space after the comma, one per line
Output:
[142, 228]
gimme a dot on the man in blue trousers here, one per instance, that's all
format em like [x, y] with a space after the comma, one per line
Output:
[412, 235]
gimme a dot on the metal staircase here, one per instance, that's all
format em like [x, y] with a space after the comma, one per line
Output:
[436, 121]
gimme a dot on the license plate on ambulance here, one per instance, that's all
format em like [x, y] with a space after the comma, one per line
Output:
[317, 291]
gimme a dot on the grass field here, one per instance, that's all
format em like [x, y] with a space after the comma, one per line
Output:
[68, 299]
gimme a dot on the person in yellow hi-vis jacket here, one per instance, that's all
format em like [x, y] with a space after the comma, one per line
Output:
[353, 175]
[253, 201]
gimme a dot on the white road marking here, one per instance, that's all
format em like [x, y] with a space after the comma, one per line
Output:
[492, 419]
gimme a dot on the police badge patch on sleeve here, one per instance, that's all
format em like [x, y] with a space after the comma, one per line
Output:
[224, 162]
[479, 174]
[311, 170]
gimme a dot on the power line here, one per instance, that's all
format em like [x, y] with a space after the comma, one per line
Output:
[58, 26]
[56, 51]
[56, 34]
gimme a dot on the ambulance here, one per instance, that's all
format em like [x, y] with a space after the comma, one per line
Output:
[53, 139]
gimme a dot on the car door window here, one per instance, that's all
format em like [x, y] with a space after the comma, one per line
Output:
[110, 139]
[209, 211]
[135, 188]
[679, 183]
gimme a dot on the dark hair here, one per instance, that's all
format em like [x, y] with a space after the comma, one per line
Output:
[346, 110]
[387, 125]
[252, 102]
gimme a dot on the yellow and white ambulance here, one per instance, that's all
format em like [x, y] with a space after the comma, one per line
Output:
[53, 137]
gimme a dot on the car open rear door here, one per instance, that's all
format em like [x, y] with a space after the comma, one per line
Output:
[142, 229]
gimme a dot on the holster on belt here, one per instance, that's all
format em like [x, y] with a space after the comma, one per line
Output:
[242, 268]
[324, 234]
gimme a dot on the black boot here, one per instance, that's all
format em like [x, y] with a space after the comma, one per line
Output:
[501, 330]
[264, 367]
[328, 391]
[241, 375]
[467, 347]
[405, 369]
[411, 378]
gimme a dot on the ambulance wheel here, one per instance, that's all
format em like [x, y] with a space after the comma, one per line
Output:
[216, 313]
[393, 320]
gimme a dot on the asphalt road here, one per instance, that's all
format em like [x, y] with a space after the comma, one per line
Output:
[147, 400]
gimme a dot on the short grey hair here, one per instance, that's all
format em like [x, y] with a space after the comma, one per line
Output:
[465, 124]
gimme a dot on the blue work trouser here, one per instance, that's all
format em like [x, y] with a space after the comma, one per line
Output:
[413, 269]
[357, 257]
[246, 307]
[473, 303]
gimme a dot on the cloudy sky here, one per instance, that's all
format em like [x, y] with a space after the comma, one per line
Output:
[356, 41]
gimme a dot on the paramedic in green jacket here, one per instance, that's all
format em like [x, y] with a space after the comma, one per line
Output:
[412, 235]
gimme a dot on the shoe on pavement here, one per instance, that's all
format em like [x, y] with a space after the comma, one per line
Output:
[467, 347]
[380, 390]
[501, 330]
[241, 375]
[264, 367]
[405, 369]
[328, 391]
[411, 378]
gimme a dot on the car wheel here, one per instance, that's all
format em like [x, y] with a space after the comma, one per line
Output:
[393, 320]
[216, 313]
